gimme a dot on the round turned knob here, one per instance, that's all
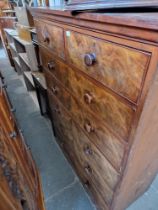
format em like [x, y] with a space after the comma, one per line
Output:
[55, 90]
[88, 127]
[13, 110]
[88, 169]
[46, 39]
[87, 184]
[13, 135]
[51, 65]
[90, 59]
[88, 98]
[57, 110]
[88, 150]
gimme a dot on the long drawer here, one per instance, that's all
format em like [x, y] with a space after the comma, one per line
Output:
[118, 67]
[115, 113]
[93, 164]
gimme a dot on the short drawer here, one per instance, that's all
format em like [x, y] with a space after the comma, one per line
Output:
[100, 135]
[57, 68]
[118, 67]
[57, 90]
[51, 36]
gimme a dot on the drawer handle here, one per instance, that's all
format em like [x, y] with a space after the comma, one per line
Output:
[90, 59]
[88, 127]
[87, 184]
[51, 65]
[13, 110]
[46, 39]
[88, 169]
[88, 150]
[13, 135]
[57, 110]
[88, 98]
[55, 89]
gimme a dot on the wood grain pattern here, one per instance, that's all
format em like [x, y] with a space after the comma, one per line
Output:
[75, 142]
[57, 68]
[117, 67]
[115, 114]
[51, 36]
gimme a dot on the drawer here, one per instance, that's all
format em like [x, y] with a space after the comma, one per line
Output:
[115, 114]
[56, 67]
[51, 36]
[57, 90]
[120, 68]
[99, 134]
[93, 164]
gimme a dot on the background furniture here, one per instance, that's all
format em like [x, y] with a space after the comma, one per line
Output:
[20, 183]
[101, 73]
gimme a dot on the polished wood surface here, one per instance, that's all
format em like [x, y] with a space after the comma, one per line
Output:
[100, 94]
[95, 129]
[118, 67]
[51, 37]
[115, 113]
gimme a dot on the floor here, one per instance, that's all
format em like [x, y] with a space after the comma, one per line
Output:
[62, 189]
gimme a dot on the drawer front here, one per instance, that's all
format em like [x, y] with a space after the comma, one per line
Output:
[111, 147]
[51, 36]
[57, 68]
[57, 90]
[120, 68]
[93, 165]
[116, 114]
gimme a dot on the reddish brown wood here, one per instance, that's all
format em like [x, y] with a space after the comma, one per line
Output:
[19, 176]
[101, 108]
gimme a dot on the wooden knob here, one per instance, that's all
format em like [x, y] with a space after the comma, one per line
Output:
[13, 135]
[46, 39]
[13, 110]
[51, 65]
[88, 98]
[88, 150]
[90, 59]
[55, 90]
[57, 110]
[88, 169]
[88, 127]
[87, 184]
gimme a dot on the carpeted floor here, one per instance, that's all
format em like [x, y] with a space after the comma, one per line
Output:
[62, 189]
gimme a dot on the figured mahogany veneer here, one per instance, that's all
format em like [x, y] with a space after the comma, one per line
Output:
[118, 67]
[101, 74]
[51, 37]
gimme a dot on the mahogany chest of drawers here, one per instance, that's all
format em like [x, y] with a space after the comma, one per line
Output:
[102, 79]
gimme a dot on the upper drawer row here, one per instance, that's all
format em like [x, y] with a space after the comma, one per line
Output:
[116, 66]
